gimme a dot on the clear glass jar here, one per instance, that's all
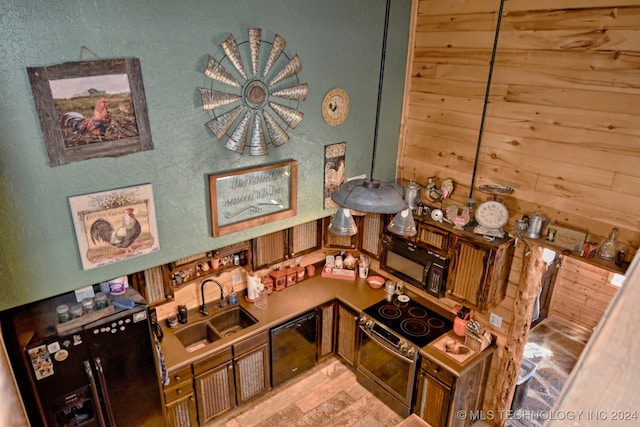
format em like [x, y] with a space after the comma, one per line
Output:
[88, 305]
[76, 311]
[609, 249]
[62, 311]
[101, 300]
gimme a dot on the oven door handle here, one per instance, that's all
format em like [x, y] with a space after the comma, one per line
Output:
[386, 346]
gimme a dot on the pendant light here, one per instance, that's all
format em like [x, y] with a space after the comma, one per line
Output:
[371, 195]
[342, 223]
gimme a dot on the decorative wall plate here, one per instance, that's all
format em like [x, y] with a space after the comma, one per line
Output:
[258, 106]
[335, 106]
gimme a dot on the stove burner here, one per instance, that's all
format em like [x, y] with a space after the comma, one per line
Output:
[418, 312]
[435, 322]
[410, 320]
[389, 312]
[415, 327]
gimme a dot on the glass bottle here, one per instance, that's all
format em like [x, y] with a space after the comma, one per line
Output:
[609, 249]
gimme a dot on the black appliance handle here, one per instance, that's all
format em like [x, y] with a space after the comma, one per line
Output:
[103, 388]
[295, 323]
[94, 392]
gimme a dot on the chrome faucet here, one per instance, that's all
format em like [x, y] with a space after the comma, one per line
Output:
[203, 307]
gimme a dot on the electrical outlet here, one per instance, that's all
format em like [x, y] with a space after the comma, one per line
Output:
[236, 279]
[495, 320]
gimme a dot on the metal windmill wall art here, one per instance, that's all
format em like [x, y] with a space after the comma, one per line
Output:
[256, 107]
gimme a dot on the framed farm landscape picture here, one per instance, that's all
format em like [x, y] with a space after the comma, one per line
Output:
[115, 225]
[91, 109]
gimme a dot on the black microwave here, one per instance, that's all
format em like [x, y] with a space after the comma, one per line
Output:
[414, 264]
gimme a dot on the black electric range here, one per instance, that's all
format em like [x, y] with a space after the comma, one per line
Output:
[410, 320]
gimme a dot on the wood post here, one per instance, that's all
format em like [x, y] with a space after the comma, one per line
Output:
[511, 358]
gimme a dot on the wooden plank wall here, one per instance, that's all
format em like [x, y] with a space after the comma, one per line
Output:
[563, 121]
[561, 126]
[581, 294]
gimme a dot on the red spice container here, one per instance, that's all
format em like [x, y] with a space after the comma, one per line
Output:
[279, 280]
[292, 276]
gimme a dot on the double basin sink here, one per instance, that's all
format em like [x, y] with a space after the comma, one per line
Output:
[218, 326]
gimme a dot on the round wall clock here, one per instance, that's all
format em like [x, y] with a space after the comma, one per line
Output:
[335, 106]
[253, 105]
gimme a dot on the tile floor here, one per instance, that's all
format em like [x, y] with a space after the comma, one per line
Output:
[327, 395]
[554, 347]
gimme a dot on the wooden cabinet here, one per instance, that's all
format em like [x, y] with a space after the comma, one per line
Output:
[251, 362]
[479, 271]
[214, 385]
[326, 329]
[180, 401]
[286, 244]
[347, 334]
[443, 392]
[232, 376]
[435, 392]
[581, 294]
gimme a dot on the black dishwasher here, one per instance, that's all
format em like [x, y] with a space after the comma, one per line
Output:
[293, 348]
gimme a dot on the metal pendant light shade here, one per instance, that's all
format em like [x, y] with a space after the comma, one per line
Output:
[370, 196]
[342, 223]
[403, 224]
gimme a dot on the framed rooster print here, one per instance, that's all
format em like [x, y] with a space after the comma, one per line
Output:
[90, 109]
[115, 225]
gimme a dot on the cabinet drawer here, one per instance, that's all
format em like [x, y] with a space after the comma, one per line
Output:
[438, 372]
[179, 376]
[213, 361]
[178, 391]
[250, 343]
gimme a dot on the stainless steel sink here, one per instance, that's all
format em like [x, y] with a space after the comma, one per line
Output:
[222, 324]
[196, 336]
[231, 321]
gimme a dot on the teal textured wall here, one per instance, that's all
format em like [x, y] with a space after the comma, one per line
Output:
[338, 42]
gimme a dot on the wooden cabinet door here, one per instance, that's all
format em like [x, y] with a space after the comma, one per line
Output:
[468, 272]
[479, 272]
[433, 400]
[252, 374]
[347, 334]
[182, 412]
[326, 330]
[215, 391]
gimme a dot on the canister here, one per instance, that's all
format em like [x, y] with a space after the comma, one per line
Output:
[88, 305]
[62, 311]
[76, 311]
[116, 286]
[101, 300]
[279, 280]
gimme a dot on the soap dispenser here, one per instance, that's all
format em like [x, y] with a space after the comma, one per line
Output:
[233, 298]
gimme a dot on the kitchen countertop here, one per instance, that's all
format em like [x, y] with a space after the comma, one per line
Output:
[282, 306]
[454, 366]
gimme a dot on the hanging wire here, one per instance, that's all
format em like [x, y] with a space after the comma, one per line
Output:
[82, 49]
[382, 60]
[486, 99]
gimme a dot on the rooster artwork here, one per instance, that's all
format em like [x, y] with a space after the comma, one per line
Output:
[120, 237]
[96, 125]
[334, 162]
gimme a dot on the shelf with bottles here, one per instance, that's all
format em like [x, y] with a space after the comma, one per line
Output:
[207, 264]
